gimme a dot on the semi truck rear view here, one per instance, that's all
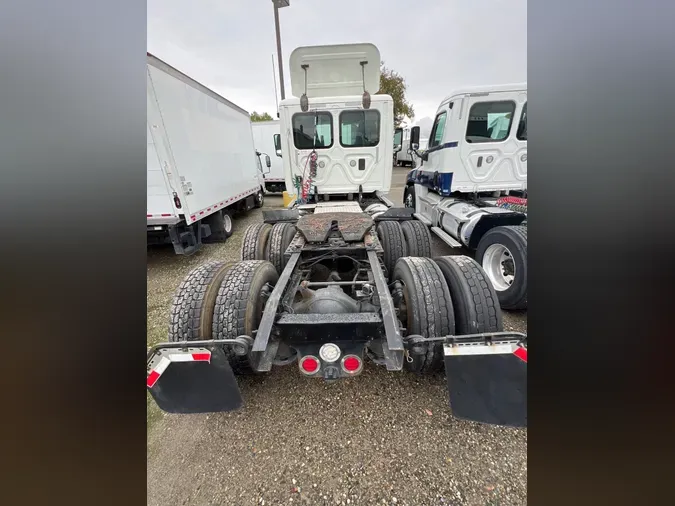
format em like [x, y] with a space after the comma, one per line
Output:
[341, 279]
[202, 165]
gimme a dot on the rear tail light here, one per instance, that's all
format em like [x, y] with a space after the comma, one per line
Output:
[352, 364]
[309, 364]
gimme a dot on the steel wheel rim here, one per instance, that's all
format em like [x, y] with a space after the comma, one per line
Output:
[409, 200]
[500, 267]
[260, 197]
[227, 222]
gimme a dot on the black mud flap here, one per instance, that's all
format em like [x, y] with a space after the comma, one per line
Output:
[488, 383]
[196, 380]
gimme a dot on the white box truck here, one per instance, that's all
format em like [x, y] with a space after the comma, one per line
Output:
[471, 187]
[202, 165]
[263, 138]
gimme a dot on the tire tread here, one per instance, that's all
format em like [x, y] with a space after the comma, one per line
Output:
[418, 238]
[393, 242]
[435, 315]
[232, 314]
[188, 308]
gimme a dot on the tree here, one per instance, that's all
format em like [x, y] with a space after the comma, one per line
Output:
[392, 83]
[261, 117]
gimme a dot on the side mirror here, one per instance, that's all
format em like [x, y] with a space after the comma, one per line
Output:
[415, 137]
[277, 144]
[268, 162]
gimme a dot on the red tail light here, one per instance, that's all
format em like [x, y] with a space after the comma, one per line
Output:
[352, 364]
[309, 364]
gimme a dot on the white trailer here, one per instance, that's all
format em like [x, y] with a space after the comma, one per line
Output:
[335, 136]
[471, 187]
[263, 138]
[202, 164]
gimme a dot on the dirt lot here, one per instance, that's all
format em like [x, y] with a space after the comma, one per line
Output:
[380, 438]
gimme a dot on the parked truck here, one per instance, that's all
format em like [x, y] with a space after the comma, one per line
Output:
[403, 154]
[471, 186]
[263, 138]
[342, 278]
[202, 165]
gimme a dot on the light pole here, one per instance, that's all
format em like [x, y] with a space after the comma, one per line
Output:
[278, 4]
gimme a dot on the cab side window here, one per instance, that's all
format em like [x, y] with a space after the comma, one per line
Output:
[490, 121]
[437, 131]
[521, 134]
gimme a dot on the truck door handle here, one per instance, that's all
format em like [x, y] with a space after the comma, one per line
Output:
[362, 164]
[480, 161]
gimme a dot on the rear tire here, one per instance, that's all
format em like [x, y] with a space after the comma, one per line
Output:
[239, 305]
[428, 309]
[474, 299]
[259, 198]
[417, 238]
[227, 222]
[502, 253]
[191, 315]
[280, 238]
[220, 223]
[393, 242]
[255, 241]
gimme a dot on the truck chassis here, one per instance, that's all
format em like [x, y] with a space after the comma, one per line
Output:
[329, 286]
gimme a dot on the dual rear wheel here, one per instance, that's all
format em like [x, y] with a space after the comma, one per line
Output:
[222, 300]
[434, 297]
[439, 297]
[449, 295]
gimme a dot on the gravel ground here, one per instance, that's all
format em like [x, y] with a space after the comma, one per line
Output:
[380, 438]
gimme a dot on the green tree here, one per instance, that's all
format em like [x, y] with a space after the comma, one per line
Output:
[392, 83]
[261, 117]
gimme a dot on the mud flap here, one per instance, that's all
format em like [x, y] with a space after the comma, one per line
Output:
[193, 380]
[487, 383]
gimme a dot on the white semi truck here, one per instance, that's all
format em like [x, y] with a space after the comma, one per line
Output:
[340, 278]
[201, 162]
[263, 138]
[471, 187]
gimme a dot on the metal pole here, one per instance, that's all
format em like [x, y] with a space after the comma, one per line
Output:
[279, 57]
[274, 75]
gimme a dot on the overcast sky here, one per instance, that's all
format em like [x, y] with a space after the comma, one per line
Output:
[437, 45]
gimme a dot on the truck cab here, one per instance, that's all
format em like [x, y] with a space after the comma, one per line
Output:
[471, 185]
[335, 137]
[478, 142]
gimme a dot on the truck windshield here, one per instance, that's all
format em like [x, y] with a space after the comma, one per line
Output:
[359, 129]
[313, 130]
